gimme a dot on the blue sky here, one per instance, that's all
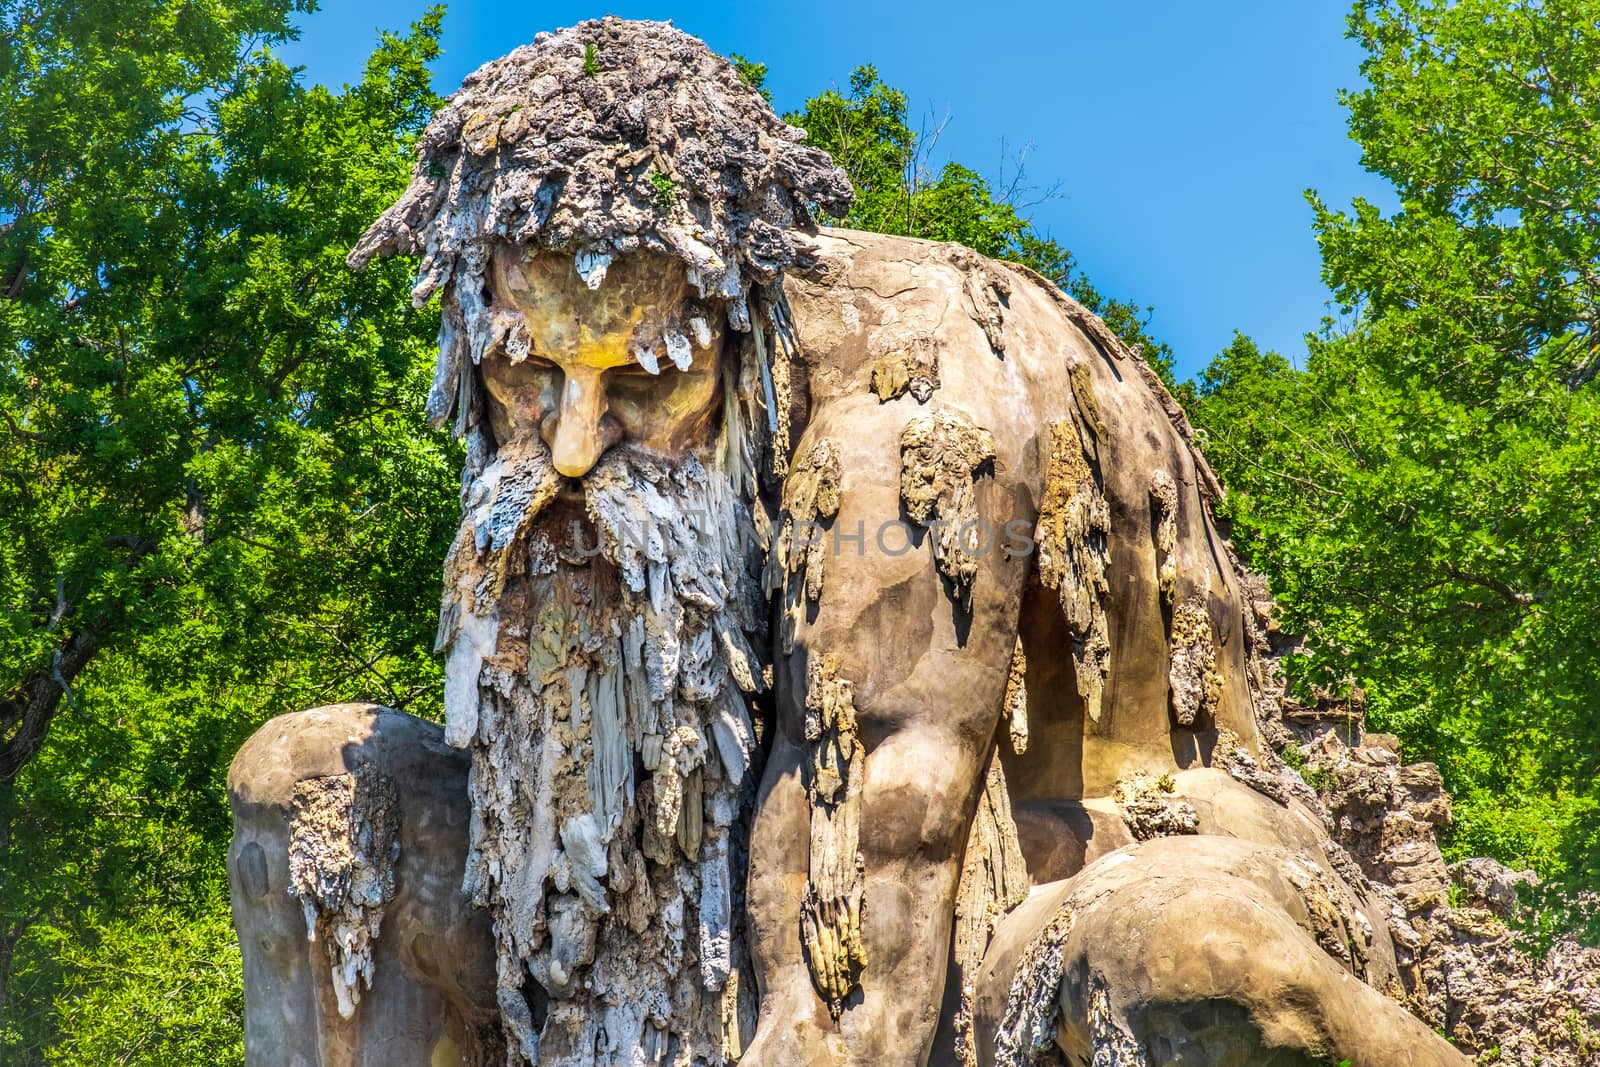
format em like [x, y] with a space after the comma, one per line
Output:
[1183, 135]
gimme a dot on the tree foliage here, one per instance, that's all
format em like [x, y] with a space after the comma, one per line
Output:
[218, 499]
[1426, 493]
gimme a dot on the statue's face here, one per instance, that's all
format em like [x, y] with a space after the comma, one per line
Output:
[584, 382]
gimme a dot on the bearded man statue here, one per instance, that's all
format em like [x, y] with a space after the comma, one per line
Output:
[818, 598]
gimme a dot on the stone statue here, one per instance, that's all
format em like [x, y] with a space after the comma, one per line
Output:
[843, 663]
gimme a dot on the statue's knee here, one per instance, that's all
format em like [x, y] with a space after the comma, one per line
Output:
[340, 739]
[297, 746]
[921, 787]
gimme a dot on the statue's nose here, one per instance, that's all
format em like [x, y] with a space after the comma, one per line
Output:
[580, 430]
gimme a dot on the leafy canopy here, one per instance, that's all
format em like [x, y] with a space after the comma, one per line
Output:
[218, 499]
[1426, 493]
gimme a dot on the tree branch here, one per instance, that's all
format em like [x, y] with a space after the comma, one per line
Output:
[26, 712]
[1510, 595]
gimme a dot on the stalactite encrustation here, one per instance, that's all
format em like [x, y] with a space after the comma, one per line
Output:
[1151, 806]
[1081, 379]
[907, 364]
[599, 678]
[343, 843]
[987, 291]
[797, 563]
[1073, 538]
[1194, 682]
[1016, 699]
[1333, 914]
[604, 705]
[1026, 1035]
[561, 145]
[941, 454]
[810, 496]
[1164, 507]
[1111, 1044]
[994, 880]
[777, 348]
[832, 907]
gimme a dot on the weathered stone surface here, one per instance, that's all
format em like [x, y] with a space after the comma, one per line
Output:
[1465, 971]
[1164, 494]
[1016, 702]
[610, 742]
[612, 745]
[1103, 943]
[909, 364]
[940, 455]
[1196, 685]
[1073, 539]
[343, 842]
[1026, 1033]
[994, 879]
[797, 563]
[1151, 807]
[431, 998]
[1492, 885]
[830, 912]
[596, 141]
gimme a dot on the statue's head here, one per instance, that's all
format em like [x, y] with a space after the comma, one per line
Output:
[597, 209]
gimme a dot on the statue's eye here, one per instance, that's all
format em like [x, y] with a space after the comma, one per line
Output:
[636, 373]
[538, 362]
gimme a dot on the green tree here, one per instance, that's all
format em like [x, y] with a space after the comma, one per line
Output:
[218, 499]
[1426, 494]
[867, 131]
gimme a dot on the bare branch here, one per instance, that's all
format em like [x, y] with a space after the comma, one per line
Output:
[1510, 595]
[26, 712]
[18, 431]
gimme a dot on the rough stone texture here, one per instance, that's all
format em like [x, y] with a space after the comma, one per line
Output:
[599, 680]
[1196, 685]
[431, 1002]
[994, 879]
[1074, 523]
[1262, 986]
[610, 741]
[830, 913]
[1164, 492]
[343, 842]
[1492, 885]
[910, 364]
[986, 291]
[1464, 968]
[1027, 1030]
[612, 672]
[940, 454]
[1151, 807]
[798, 561]
[1016, 702]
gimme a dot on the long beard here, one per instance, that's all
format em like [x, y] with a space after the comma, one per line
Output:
[599, 669]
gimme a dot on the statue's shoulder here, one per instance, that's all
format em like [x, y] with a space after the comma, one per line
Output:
[936, 323]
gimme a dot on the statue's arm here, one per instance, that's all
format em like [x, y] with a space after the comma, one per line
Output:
[888, 694]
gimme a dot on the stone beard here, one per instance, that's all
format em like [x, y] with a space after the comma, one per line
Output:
[599, 668]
